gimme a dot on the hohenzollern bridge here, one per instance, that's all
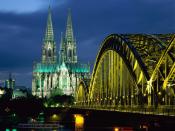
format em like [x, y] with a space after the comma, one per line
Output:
[132, 72]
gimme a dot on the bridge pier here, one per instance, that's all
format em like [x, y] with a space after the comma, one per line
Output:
[149, 85]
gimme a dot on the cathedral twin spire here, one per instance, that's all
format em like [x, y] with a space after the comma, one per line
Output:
[69, 29]
[49, 35]
[67, 53]
[49, 46]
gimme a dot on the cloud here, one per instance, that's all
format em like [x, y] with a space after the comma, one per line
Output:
[27, 6]
[21, 6]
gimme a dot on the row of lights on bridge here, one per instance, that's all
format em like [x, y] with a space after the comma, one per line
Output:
[132, 96]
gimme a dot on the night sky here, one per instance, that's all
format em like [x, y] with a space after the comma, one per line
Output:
[23, 24]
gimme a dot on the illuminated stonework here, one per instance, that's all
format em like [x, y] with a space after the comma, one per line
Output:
[10, 83]
[58, 74]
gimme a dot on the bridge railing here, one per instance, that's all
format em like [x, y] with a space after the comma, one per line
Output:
[167, 110]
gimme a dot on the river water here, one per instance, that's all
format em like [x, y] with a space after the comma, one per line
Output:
[60, 122]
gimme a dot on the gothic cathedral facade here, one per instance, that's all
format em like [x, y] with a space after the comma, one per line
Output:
[58, 73]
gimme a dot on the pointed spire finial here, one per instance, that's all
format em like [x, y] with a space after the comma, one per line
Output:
[49, 36]
[69, 30]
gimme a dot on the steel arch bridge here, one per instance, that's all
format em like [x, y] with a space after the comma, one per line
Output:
[132, 70]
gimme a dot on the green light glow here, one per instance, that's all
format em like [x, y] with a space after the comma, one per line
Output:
[45, 68]
[80, 70]
[7, 129]
[54, 67]
[14, 129]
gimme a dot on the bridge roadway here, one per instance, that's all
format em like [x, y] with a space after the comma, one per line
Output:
[152, 110]
[128, 117]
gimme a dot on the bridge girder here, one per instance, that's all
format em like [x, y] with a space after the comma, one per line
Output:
[128, 55]
[81, 93]
[149, 60]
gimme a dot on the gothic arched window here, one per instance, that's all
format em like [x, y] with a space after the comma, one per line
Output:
[69, 53]
[49, 53]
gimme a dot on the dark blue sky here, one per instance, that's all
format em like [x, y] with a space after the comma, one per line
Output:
[23, 23]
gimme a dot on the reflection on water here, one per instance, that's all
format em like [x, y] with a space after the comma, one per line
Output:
[52, 123]
[79, 122]
[44, 123]
[60, 122]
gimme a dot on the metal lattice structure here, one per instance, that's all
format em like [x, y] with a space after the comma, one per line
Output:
[132, 70]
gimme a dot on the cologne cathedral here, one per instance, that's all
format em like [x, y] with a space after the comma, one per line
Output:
[58, 72]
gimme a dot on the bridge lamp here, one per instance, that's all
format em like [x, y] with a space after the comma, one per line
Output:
[169, 85]
[163, 99]
[46, 105]
[52, 106]
[159, 93]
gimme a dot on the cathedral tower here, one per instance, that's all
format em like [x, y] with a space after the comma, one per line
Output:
[49, 46]
[51, 77]
[68, 52]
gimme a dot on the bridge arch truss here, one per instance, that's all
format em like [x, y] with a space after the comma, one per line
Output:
[131, 70]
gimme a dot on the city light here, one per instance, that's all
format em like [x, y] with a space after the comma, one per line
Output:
[55, 117]
[1, 92]
[79, 120]
[116, 129]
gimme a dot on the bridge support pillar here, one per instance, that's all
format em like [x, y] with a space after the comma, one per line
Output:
[149, 99]
[149, 85]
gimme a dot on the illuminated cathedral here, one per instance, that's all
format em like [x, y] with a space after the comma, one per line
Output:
[58, 73]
